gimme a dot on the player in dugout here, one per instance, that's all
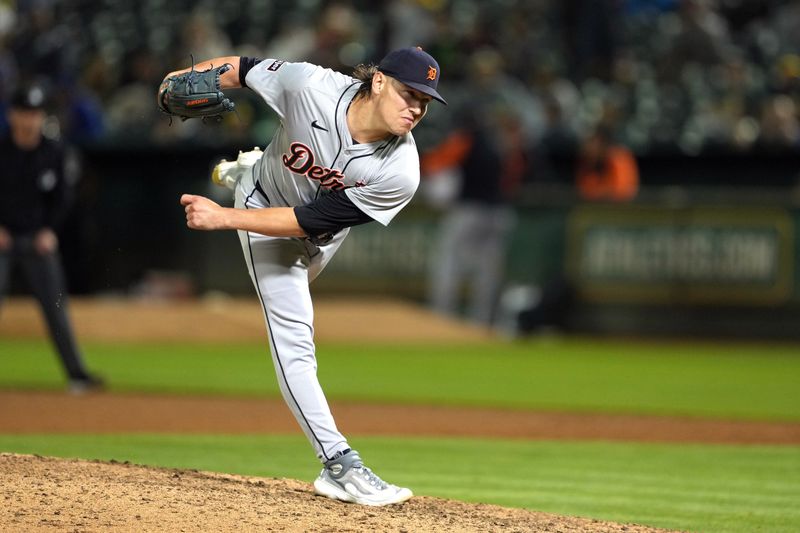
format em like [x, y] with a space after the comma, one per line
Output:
[343, 155]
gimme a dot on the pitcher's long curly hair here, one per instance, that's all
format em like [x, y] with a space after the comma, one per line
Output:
[364, 73]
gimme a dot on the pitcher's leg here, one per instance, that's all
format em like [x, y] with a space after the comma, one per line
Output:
[278, 268]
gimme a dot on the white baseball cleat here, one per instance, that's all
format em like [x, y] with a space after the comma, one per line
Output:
[227, 173]
[347, 479]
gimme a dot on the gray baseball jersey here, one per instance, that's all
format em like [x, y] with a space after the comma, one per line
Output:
[312, 149]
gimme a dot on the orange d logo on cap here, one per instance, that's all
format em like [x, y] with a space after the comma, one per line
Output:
[431, 73]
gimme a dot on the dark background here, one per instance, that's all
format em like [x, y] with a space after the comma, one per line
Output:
[705, 93]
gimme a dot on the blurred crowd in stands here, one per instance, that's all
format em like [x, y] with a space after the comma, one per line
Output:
[684, 76]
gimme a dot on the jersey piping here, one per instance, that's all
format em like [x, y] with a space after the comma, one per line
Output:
[338, 133]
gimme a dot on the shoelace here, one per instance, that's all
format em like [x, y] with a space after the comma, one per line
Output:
[371, 477]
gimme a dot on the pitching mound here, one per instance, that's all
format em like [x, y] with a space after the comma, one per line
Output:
[47, 494]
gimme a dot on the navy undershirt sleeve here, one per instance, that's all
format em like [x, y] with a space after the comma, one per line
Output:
[245, 64]
[329, 214]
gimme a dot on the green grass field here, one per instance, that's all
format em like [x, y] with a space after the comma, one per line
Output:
[709, 488]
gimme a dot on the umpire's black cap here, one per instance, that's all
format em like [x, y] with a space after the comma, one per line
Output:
[29, 97]
[413, 67]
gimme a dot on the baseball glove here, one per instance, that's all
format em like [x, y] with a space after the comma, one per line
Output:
[194, 94]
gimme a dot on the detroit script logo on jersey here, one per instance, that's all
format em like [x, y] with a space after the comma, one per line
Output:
[300, 160]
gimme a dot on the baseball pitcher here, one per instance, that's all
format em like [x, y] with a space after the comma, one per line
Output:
[343, 155]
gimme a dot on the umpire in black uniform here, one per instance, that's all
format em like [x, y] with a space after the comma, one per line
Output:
[34, 197]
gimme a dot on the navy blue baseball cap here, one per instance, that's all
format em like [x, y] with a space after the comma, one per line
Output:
[413, 67]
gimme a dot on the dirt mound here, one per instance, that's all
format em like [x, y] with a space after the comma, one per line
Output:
[46, 494]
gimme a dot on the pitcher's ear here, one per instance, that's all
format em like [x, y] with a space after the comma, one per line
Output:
[379, 83]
